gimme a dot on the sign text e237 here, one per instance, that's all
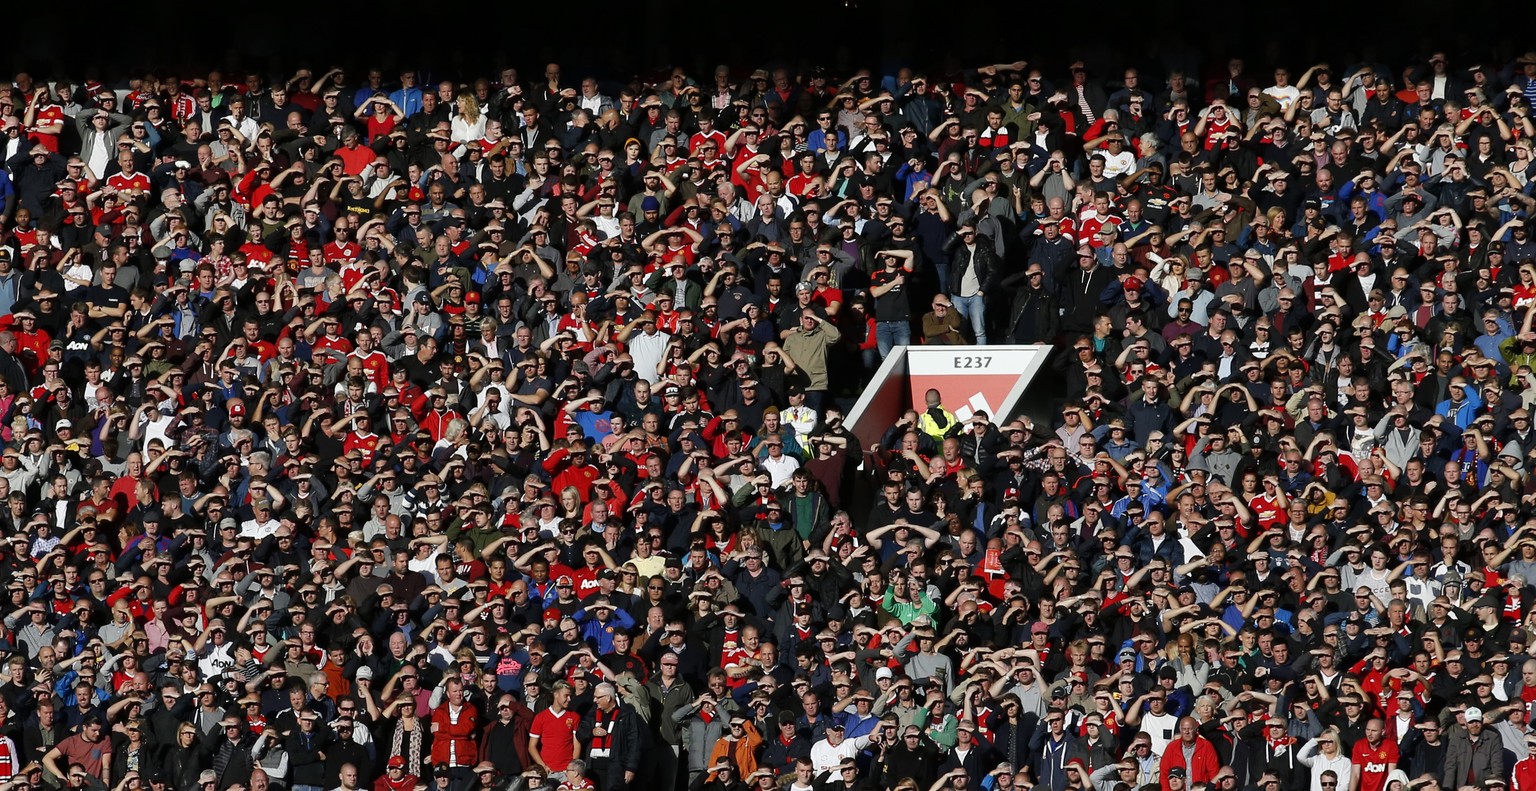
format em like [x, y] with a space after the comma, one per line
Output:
[972, 361]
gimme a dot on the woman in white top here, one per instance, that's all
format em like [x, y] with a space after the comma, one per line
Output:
[468, 122]
[75, 270]
[1169, 272]
[1323, 754]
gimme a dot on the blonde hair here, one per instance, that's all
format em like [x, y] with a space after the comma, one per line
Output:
[469, 107]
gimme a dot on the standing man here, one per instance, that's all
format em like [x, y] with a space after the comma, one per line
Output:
[505, 741]
[229, 749]
[971, 270]
[1190, 752]
[1473, 756]
[1373, 757]
[1035, 316]
[808, 345]
[552, 740]
[306, 749]
[454, 728]
[615, 740]
[669, 692]
[893, 305]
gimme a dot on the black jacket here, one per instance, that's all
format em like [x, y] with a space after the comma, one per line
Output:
[977, 762]
[304, 761]
[238, 765]
[982, 451]
[1278, 761]
[181, 767]
[34, 182]
[628, 741]
[920, 763]
[985, 262]
[1036, 314]
[1080, 292]
[347, 751]
[145, 763]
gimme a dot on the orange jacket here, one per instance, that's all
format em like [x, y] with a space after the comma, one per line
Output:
[741, 752]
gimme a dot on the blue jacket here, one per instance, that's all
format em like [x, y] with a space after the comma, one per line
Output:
[409, 100]
[601, 632]
[1462, 415]
[1375, 200]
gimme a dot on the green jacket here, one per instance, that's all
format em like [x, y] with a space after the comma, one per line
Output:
[809, 351]
[1019, 117]
[663, 704]
[1512, 355]
[783, 544]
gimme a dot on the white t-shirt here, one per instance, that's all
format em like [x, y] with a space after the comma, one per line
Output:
[1116, 165]
[218, 659]
[969, 282]
[100, 154]
[259, 530]
[1285, 96]
[156, 428]
[1421, 592]
[825, 757]
[647, 350]
[780, 469]
[1161, 728]
[1377, 582]
[426, 565]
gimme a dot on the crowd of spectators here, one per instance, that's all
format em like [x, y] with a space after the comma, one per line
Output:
[488, 434]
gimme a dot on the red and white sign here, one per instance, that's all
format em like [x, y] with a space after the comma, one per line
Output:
[972, 379]
[969, 379]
